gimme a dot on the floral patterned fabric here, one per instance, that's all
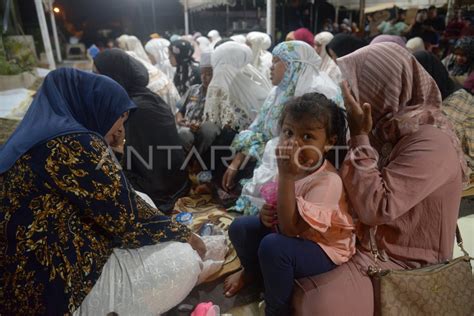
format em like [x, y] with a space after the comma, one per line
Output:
[302, 76]
[302, 64]
[64, 206]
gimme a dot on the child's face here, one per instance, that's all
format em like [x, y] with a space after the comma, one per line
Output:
[461, 58]
[310, 135]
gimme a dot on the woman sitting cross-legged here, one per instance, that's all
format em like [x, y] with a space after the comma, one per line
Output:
[154, 159]
[65, 205]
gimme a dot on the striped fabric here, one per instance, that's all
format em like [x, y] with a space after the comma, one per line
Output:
[402, 94]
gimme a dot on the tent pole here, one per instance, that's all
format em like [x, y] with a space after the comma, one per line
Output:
[186, 18]
[45, 34]
[271, 18]
[55, 32]
[153, 15]
[227, 18]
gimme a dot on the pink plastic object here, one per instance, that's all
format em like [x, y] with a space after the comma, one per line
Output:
[206, 309]
[269, 192]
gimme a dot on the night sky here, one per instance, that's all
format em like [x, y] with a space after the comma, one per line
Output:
[136, 17]
[123, 16]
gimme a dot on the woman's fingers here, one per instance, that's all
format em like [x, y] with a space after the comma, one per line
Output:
[367, 125]
[349, 100]
[228, 179]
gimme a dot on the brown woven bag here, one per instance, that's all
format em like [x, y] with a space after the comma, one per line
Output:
[441, 289]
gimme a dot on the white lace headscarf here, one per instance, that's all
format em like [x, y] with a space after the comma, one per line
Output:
[239, 38]
[327, 64]
[159, 49]
[159, 83]
[262, 59]
[237, 90]
[204, 44]
[214, 37]
[131, 43]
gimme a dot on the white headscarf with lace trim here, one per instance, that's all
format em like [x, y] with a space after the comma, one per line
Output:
[159, 49]
[237, 89]
[262, 58]
[131, 43]
[327, 64]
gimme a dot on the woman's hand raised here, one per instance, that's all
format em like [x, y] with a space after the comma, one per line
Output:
[359, 117]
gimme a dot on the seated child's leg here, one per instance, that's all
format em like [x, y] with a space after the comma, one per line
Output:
[282, 259]
[246, 232]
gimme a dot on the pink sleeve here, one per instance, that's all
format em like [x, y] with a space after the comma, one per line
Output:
[422, 164]
[319, 207]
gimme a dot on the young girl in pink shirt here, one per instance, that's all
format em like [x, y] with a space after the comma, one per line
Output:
[309, 231]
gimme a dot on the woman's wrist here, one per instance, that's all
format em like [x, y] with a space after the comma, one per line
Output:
[237, 162]
[360, 140]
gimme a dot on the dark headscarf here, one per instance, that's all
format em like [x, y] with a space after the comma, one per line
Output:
[439, 73]
[152, 125]
[69, 101]
[123, 68]
[344, 44]
[187, 74]
[132, 75]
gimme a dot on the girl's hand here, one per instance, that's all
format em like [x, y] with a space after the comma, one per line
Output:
[287, 160]
[268, 215]
[359, 117]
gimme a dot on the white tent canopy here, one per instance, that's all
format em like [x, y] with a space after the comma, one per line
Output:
[195, 5]
[377, 5]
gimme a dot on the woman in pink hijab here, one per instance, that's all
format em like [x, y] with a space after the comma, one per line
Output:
[384, 38]
[305, 35]
[403, 174]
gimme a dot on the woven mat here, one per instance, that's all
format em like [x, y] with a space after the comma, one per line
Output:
[204, 211]
[7, 126]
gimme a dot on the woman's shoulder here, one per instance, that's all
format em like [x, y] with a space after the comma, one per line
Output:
[428, 141]
[75, 139]
[88, 145]
[150, 108]
[427, 134]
